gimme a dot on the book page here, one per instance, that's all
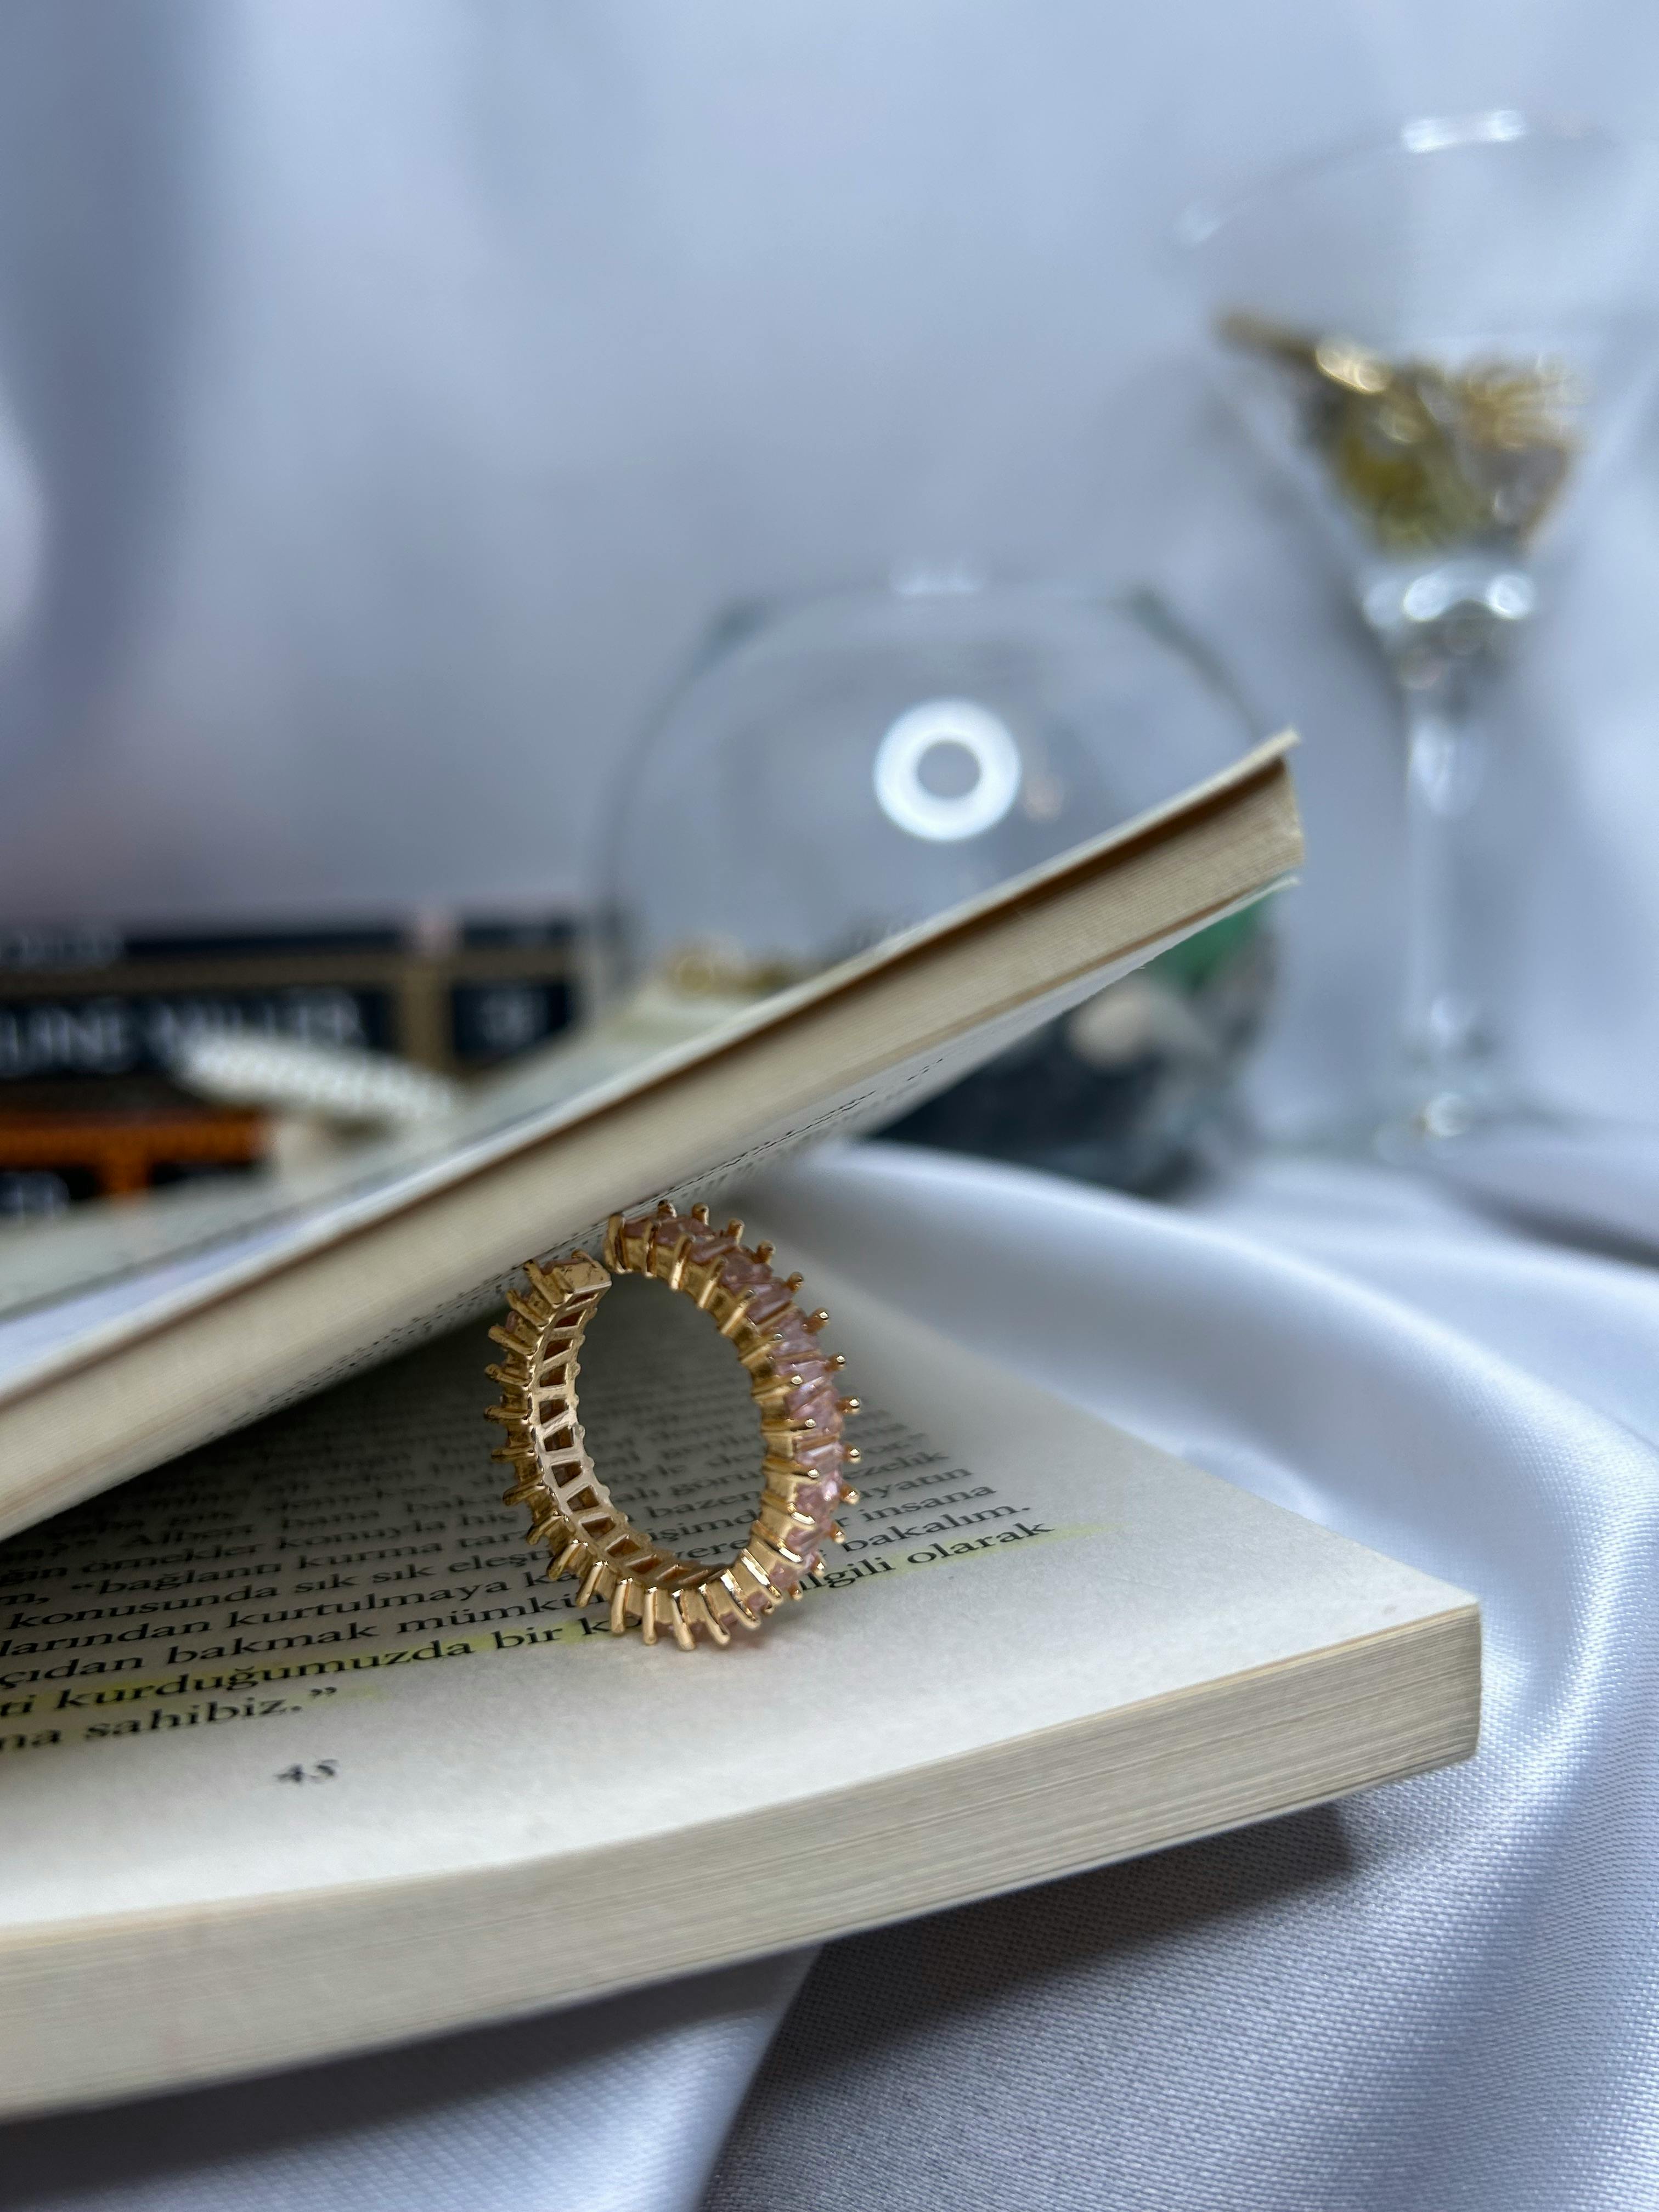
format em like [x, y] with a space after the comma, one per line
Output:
[249, 1581]
[319, 1652]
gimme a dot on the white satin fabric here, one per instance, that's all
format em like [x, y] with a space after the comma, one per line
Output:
[619, 2106]
[1438, 1996]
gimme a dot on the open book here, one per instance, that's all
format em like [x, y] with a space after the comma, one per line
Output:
[301, 1752]
[132, 1335]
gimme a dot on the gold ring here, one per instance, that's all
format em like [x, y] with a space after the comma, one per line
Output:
[790, 1379]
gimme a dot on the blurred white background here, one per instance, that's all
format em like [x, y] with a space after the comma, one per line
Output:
[396, 388]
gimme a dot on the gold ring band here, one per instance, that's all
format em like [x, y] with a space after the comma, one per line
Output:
[791, 1379]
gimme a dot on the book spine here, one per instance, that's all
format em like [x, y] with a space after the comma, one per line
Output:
[92, 1020]
[468, 1012]
[108, 1033]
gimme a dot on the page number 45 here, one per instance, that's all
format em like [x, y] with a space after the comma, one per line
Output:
[324, 1770]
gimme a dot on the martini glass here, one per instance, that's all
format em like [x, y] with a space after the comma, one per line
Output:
[1442, 335]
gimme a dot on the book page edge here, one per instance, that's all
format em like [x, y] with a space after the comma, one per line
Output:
[85, 2042]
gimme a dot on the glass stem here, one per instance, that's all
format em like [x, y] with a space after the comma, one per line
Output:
[1449, 1043]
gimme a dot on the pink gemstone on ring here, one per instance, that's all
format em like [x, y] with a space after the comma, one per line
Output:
[741, 1274]
[707, 1243]
[814, 1376]
[818, 1498]
[785, 1575]
[817, 1403]
[793, 1340]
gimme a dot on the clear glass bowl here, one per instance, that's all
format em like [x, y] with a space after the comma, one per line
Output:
[839, 770]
